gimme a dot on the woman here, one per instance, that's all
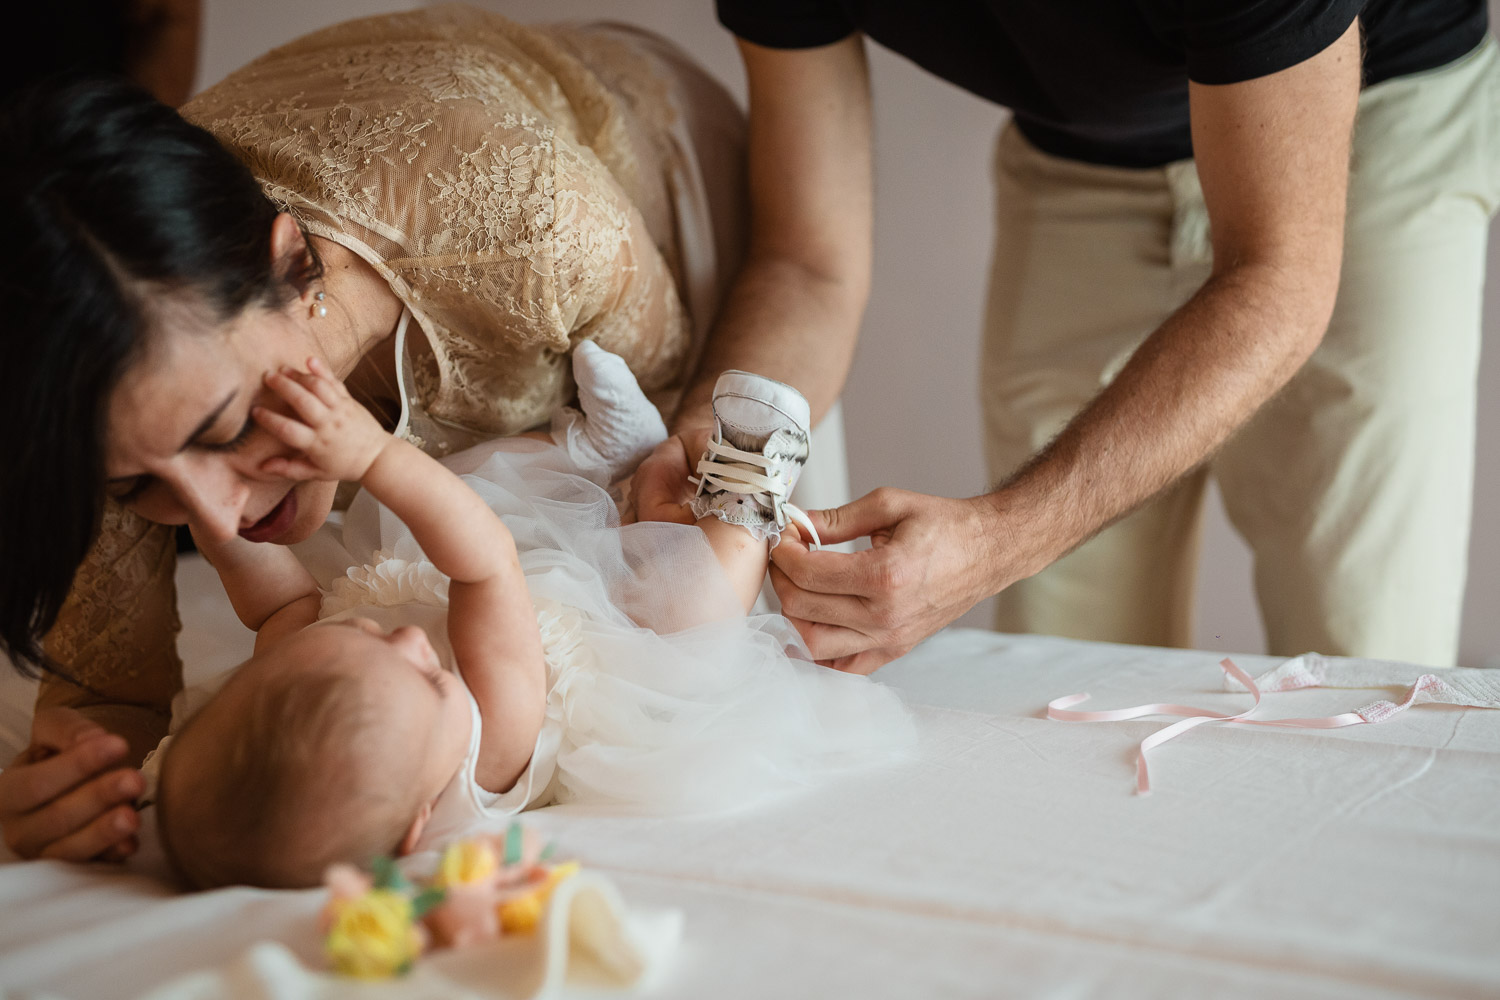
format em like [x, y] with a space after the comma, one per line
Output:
[438, 203]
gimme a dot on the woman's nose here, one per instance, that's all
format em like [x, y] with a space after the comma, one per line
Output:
[213, 497]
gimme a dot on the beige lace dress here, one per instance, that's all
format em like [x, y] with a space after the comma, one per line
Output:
[517, 186]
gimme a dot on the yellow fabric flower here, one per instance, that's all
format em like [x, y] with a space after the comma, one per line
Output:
[372, 936]
[522, 914]
[465, 863]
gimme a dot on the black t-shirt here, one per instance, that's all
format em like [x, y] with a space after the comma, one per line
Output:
[1106, 81]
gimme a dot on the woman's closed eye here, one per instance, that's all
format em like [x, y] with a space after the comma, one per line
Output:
[233, 444]
[127, 490]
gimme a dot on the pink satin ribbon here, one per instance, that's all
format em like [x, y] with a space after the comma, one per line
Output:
[1062, 710]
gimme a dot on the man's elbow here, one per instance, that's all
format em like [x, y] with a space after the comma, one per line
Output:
[1297, 293]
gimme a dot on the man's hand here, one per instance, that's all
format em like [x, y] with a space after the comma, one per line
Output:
[660, 489]
[932, 559]
[63, 797]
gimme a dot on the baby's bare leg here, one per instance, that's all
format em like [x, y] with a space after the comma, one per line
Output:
[743, 557]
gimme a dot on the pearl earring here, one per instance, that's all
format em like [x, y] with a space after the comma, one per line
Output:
[318, 309]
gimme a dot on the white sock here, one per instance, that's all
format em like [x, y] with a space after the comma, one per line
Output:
[620, 424]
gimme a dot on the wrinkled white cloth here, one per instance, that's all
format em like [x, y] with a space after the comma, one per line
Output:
[662, 694]
[1006, 859]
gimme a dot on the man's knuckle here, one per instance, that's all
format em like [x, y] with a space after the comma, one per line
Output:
[889, 575]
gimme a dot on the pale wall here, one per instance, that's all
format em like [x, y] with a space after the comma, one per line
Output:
[920, 340]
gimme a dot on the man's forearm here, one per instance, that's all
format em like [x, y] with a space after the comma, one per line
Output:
[1189, 386]
[793, 312]
[784, 321]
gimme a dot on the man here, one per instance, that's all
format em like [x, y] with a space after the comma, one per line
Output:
[1144, 306]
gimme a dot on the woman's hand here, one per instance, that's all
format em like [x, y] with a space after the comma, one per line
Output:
[338, 439]
[64, 796]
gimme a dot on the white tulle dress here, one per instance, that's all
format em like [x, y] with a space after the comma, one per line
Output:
[662, 694]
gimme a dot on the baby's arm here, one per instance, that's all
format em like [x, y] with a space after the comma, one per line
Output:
[270, 590]
[491, 624]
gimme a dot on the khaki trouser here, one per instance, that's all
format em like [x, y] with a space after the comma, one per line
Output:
[1353, 485]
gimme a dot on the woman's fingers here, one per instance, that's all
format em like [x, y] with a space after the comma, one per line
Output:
[49, 801]
[119, 851]
[56, 729]
[104, 835]
[64, 796]
[28, 784]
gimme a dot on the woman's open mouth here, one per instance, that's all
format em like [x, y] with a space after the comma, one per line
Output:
[276, 523]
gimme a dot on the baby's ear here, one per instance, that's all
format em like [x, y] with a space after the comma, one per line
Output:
[414, 832]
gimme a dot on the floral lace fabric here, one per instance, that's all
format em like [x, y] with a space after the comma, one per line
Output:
[514, 201]
[509, 182]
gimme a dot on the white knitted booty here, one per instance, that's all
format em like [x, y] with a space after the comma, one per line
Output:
[619, 425]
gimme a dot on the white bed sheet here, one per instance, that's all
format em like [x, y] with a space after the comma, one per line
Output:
[1011, 859]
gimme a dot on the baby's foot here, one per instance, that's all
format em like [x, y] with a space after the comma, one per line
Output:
[620, 424]
[756, 457]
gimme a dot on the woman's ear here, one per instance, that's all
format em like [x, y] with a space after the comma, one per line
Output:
[290, 255]
[414, 832]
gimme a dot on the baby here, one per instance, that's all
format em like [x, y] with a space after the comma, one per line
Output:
[501, 642]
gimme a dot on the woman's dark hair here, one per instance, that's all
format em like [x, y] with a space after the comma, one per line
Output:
[108, 199]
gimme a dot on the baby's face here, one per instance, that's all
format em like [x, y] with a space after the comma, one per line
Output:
[421, 707]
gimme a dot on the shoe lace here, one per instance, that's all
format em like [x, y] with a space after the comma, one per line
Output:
[727, 469]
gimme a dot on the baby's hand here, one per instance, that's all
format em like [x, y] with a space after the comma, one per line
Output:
[337, 437]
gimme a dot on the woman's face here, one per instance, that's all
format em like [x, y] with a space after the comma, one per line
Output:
[180, 446]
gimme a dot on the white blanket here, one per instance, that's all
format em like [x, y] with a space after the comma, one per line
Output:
[1012, 859]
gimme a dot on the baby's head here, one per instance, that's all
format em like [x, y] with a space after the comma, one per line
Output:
[329, 746]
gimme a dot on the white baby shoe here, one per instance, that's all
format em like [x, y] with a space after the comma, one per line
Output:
[619, 426]
[755, 457]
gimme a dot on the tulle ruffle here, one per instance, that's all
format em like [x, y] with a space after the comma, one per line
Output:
[662, 693]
